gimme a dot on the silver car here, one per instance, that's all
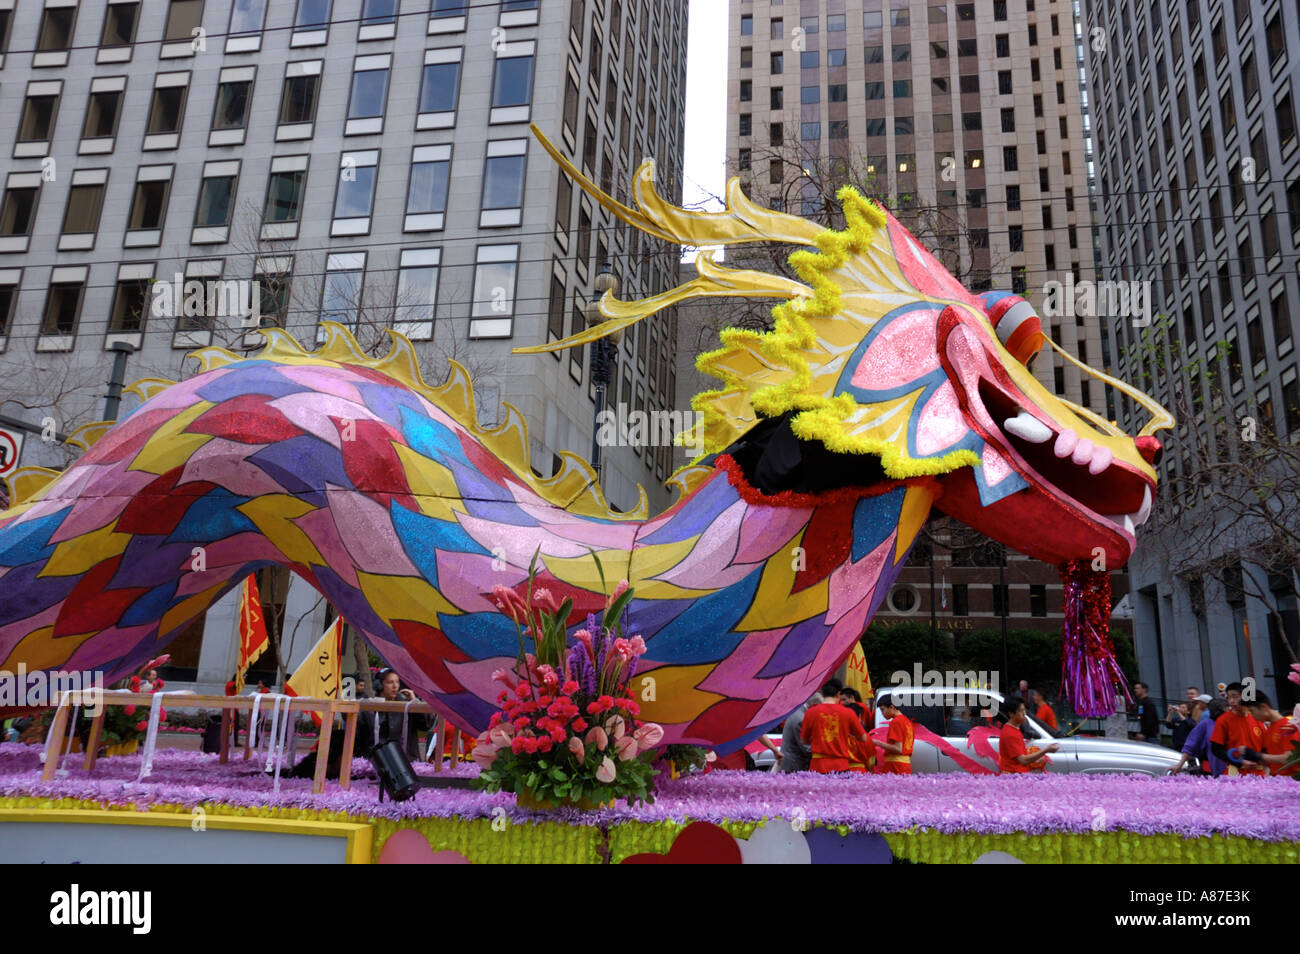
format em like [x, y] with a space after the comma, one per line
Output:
[941, 711]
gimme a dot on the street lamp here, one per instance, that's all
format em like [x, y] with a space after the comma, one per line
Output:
[604, 354]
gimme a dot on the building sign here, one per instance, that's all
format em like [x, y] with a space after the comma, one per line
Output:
[11, 448]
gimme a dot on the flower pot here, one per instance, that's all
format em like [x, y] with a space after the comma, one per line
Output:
[527, 799]
[122, 748]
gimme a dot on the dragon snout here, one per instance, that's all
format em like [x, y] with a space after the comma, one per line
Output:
[1150, 448]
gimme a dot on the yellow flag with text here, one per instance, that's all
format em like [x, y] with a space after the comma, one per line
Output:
[857, 676]
[319, 675]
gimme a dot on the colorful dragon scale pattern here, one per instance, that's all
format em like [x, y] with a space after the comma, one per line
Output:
[405, 520]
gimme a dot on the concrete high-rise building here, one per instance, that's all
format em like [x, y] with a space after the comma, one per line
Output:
[970, 120]
[368, 161]
[1198, 177]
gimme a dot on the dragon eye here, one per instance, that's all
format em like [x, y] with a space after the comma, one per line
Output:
[1018, 326]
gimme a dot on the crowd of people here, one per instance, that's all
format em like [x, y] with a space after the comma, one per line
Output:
[1228, 736]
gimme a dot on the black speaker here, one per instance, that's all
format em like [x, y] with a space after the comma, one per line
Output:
[394, 771]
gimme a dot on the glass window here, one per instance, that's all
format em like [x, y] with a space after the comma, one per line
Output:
[356, 193]
[503, 182]
[130, 299]
[378, 11]
[232, 105]
[37, 122]
[246, 16]
[809, 24]
[298, 104]
[494, 289]
[284, 196]
[119, 24]
[148, 205]
[56, 29]
[809, 60]
[938, 50]
[873, 54]
[82, 213]
[216, 197]
[417, 292]
[165, 113]
[875, 91]
[837, 93]
[62, 305]
[836, 58]
[183, 18]
[16, 213]
[810, 131]
[369, 89]
[777, 96]
[447, 8]
[341, 295]
[746, 26]
[428, 189]
[902, 52]
[903, 127]
[778, 63]
[312, 14]
[838, 129]
[440, 88]
[101, 114]
[512, 81]
[835, 23]
[902, 89]
[970, 83]
[810, 94]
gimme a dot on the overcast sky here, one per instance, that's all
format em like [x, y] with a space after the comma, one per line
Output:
[706, 101]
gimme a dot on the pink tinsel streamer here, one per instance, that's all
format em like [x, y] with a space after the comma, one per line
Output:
[1090, 676]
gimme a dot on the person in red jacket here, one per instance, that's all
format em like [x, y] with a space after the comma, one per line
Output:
[830, 730]
[1012, 754]
[1238, 737]
[1279, 736]
[899, 741]
[1043, 712]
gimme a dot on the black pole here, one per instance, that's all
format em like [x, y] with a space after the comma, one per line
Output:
[113, 400]
[602, 366]
[1002, 597]
[934, 620]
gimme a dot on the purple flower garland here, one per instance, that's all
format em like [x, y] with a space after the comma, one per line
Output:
[1265, 809]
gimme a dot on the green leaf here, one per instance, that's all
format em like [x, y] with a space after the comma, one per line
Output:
[616, 609]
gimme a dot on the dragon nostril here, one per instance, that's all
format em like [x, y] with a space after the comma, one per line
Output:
[1151, 449]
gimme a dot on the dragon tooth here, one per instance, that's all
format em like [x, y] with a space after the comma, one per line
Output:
[1128, 525]
[1027, 427]
[1083, 451]
[1143, 511]
[1065, 442]
[1101, 459]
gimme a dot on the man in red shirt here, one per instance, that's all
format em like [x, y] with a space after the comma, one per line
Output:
[1238, 737]
[829, 730]
[898, 743]
[1043, 712]
[1279, 735]
[1012, 754]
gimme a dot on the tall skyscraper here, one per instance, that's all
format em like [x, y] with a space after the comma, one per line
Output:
[970, 119]
[366, 161]
[1198, 177]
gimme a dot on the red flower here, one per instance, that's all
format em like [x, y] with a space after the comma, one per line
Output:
[544, 744]
[558, 734]
[135, 683]
[523, 690]
[517, 744]
[579, 725]
[492, 722]
[129, 710]
[162, 714]
[569, 688]
[157, 684]
[141, 726]
[531, 744]
[521, 723]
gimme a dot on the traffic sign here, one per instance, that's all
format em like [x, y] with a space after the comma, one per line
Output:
[11, 448]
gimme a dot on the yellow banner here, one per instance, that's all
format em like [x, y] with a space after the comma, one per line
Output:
[857, 676]
[319, 676]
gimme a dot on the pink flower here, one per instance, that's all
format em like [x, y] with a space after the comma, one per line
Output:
[511, 603]
[1294, 674]
[504, 677]
[584, 638]
[545, 600]
[649, 735]
[162, 660]
[616, 727]
[549, 676]
[607, 772]
[626, 748]
[501, 735]
[619, 589]
[484, 754]
[577, 748]
[596, 736]
[638, 646]
[569, 688]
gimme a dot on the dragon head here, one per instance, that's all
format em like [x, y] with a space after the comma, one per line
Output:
[880, 351]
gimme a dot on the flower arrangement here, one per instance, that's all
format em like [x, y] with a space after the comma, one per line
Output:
[568, 732]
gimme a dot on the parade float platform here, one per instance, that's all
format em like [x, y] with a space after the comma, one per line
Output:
[174, 813]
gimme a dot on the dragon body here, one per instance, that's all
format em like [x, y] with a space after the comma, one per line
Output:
[885, 389]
